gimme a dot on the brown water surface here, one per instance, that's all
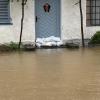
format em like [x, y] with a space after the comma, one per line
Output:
[57, 74]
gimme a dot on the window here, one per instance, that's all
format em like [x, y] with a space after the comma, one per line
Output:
[4, 12]
[93, 12]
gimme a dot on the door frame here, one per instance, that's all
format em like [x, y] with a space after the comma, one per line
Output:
[60, 17]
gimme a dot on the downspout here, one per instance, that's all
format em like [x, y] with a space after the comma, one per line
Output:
[22, 20]
[82, 29]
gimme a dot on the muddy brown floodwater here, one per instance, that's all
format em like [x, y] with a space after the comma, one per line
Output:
[57, 74]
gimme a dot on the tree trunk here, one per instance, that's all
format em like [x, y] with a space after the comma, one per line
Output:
[81, 16]
[22, 19]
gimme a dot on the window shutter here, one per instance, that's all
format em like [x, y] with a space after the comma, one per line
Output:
[4, 12]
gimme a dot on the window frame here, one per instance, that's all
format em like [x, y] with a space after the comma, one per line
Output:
[90, 21]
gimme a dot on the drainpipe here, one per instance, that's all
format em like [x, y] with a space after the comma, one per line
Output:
[22, 19]
[82, 29]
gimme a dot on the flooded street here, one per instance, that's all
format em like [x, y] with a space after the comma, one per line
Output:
[57, 74]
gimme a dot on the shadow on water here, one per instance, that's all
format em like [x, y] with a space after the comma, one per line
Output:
[50, 74]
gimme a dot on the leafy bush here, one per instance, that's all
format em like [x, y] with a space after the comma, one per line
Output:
[13, 46]
[95, 38]
[9, 47]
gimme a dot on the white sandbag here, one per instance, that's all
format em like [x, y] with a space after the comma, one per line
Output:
[38, 44]
[49, 41]
[59, 43]
[47, 44]
[39, 40]
[56, 39]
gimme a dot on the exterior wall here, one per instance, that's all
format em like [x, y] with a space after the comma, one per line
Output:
[70, 19]
[10, 33]
[88, 30]
[70, 22]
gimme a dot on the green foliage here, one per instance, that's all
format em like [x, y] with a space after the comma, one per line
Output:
[95, 38]
[13, 46]
[9, 47]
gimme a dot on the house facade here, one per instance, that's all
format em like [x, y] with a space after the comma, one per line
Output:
[44, 18]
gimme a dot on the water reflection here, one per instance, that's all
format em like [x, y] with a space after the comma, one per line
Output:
[57, 74]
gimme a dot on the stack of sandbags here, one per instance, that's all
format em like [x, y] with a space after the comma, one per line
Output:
[49, 41]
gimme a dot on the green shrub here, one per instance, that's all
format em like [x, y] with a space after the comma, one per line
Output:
[95, 38]
[9, 47]
[13, 46]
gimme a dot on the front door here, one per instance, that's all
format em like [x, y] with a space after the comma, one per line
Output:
[47, 18]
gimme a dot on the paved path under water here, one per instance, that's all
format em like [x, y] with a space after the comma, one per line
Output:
[60, 74]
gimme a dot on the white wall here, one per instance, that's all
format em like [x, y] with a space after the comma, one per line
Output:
[70, 22]
[88, 31]
[10, 33]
